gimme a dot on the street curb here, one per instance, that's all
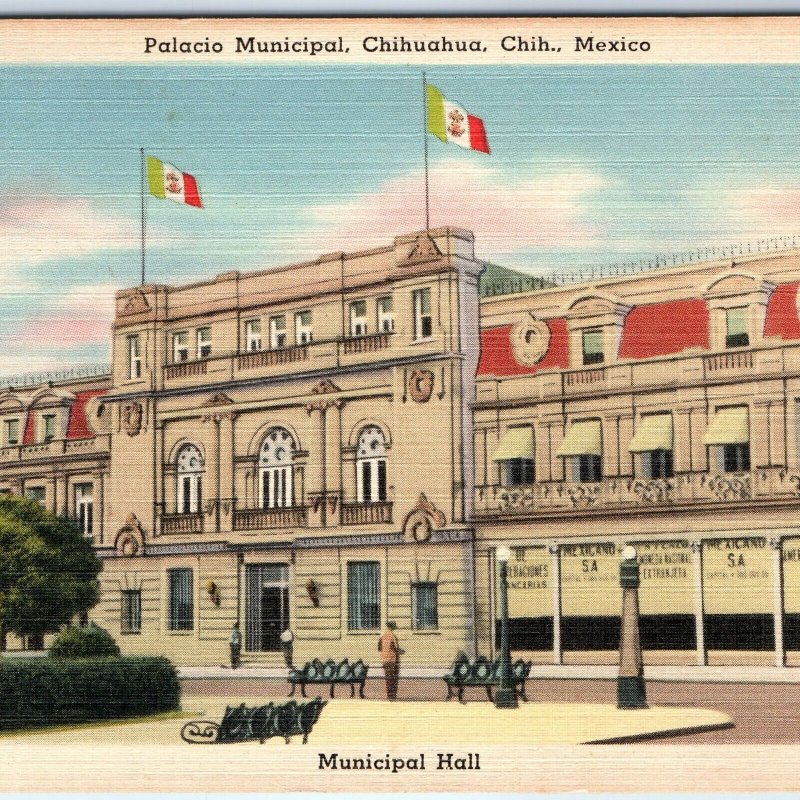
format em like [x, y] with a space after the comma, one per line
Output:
[668, 734]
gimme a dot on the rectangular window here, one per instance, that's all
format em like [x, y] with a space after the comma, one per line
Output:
[181, 599]
[358, 318]
[517, 472]
[180, 346]
[277, 332]
[385, 315]
[203, 342]
[252, 335]
[586, 469]
[131, 616]
[12, 431]
[84, 507]
[736, 327]
[36, 493]
[48, 427]
[593, 347]
[736, 457]
[657, 464]
[425, 606]
[302, 327]
[134, 357]
[423, 318]
[363, 596]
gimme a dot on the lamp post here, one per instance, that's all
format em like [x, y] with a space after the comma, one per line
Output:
[506, 695]
[630, 682]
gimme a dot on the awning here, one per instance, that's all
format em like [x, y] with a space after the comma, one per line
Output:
[654, 433]
[517, 443]
[729, 426]
[582, 439]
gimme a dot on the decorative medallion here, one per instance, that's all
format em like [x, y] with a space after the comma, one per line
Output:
[130, 538]
[420, 521]
[420, 385]
[530, 338]
[132, 414]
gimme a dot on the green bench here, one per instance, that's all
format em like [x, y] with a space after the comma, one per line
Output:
[330, 673]
[486, 674]
[242, 724]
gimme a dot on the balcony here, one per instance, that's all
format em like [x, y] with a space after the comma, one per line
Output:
[272, 358]
[366, 513]
[726, 363]
[584, 379]
[181, 523]
[258, 519]
[636, 494]
[365, 344]
[186, 369]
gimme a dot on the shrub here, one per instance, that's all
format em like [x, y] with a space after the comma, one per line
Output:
[44, 691]
[84, 641]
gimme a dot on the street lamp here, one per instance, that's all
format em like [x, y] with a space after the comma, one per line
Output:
[506, 695]
[630, 682]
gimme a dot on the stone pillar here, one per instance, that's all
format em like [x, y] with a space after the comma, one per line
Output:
[777, 433]
[682, 453]
[324, 511]
[698, 425]
[697, 574]
[611, 446]
[211, 487]
[226, 488]
[61, 498]
[624, 440]
[98, 481]
[759, 435]
[555, 571]
[777, 584]
[333, 463]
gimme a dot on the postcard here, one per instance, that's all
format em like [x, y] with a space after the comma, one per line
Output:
[399, 404]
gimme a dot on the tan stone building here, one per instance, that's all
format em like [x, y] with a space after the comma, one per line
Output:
[289, 449]
[658, 410]
[310, 448]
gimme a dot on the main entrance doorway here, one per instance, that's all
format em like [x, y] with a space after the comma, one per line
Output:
[267, 606]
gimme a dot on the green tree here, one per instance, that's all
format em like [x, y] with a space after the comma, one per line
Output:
[48, 571]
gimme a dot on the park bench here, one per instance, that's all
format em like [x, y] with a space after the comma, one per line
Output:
[241, 724]
[486, 674]
[330, 673]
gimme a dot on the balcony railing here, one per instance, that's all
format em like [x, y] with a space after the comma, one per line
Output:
[366, 513]
[182, 523]
[735, 361]
[366, 344]
[272, 358]
[585, 378]
[635, 493]
[186, 369]
[255, 519]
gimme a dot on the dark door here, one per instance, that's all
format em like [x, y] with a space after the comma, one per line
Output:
[274, 616]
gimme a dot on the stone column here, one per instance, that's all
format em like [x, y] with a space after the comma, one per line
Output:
[682, 453]
[98, 501]
[777, 584]
[322, 513]
[759, 435]
[226, 455]
[697, 574]
[333, 463]
[555, 571]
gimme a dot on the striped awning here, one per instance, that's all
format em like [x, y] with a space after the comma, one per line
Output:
[729, 426]
[516, 443]
[654, 432]
[583, 439]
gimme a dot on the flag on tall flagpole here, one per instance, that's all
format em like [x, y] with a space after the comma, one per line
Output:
[451, 123]
[169, 183]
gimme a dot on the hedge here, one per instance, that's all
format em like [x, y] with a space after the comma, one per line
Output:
[84, 641]
[45, 691]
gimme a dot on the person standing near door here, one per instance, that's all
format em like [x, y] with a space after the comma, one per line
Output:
[390, 652]
[287, 645]
[235, 642]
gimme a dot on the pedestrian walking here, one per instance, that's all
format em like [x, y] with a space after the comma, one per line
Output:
[287, 646]
[235, 641]
[390, 652]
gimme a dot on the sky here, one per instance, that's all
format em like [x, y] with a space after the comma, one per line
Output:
[590, 166]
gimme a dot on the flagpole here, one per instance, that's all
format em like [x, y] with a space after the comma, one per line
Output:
[141, 153]
[425, 140]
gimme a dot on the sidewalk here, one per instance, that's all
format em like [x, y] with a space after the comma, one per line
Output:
[683, 674]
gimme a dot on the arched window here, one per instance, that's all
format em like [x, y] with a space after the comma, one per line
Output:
[190, 479]
[275, 485]
[371, 466]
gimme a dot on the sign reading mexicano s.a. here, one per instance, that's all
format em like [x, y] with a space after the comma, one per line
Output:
[737, 576]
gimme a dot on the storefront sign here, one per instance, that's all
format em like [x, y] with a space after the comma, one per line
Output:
[530, 591]
[737, 576]
[666, 578]
[590, 580]
[791, 575]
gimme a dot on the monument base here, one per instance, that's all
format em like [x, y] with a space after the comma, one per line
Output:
[631, 692]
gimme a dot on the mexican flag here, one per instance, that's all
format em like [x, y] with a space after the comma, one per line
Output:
[451, 123]
[168, 182]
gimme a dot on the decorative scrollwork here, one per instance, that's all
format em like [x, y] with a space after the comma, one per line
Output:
[521, 498]
[200, 731]
[656, 490]
[583, 496]
[731, 487]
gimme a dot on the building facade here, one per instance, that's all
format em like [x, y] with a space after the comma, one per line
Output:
[335, 444]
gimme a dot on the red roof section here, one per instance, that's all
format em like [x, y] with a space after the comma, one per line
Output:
[781, 319]
[497, 354]
[660, 329]
[27, 436]
[78, 427]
